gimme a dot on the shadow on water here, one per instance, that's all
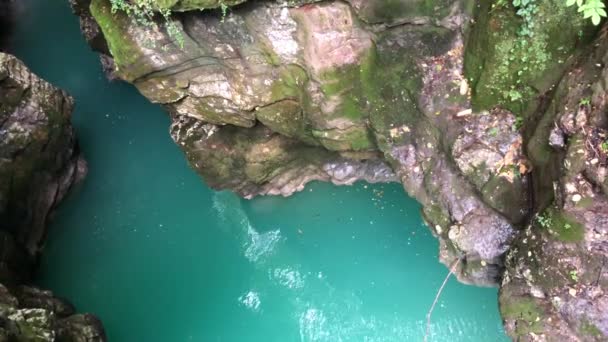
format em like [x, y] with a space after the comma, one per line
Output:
[144, 244]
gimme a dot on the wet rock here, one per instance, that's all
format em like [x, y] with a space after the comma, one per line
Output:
[31, 314]
[80, 328]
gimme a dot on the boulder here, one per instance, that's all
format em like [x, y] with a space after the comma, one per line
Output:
[39, 156]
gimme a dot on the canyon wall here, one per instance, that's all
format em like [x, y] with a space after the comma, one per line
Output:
[465, 103]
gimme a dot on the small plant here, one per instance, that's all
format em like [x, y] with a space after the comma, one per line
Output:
[493, 131]
[594, 9]
[143, 12]
[544, 220]
[224, 9]
[604, 146]
[514, 95]
[527, 10]
[585, 101]
[519, 122]
[574, 275]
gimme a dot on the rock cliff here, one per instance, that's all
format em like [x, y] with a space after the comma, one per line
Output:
[39, 162]
[458, 100]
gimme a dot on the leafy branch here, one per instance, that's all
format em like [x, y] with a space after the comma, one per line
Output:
[594, 9]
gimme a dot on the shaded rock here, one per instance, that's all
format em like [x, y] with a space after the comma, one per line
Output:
[7, 15]
[490, 154]
[35, 315]
[555, 287]
[16, 264]
[80, 328]
[257, 161]
[39, 162]
[39, 159]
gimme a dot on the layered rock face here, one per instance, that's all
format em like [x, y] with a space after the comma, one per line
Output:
[456, 100]
[39, 162]
[556, 284]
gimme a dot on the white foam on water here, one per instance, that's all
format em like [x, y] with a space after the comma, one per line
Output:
[260, 245]
[313, 326]
[251, 300]
[233, 218]
[288, 277]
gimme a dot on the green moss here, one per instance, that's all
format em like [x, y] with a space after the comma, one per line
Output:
[189, 5]
[562, 226]
[125, 50]
[589, 329]
[285, 117]
[292, 79]
[388, 11]
[575, 156]
[509, 69]
[436, 217]
[356, 85]
[525, 311]
[585, 202]
[355, 138]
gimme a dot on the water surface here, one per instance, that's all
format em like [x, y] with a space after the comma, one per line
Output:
[158, 256]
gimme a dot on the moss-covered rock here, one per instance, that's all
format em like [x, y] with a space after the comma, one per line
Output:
[189, 5]
[514, 55]
[559, 259]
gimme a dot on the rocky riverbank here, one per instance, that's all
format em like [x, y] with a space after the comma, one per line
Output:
[39, 162]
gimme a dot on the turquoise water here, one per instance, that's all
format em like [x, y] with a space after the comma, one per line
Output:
[158, 256]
